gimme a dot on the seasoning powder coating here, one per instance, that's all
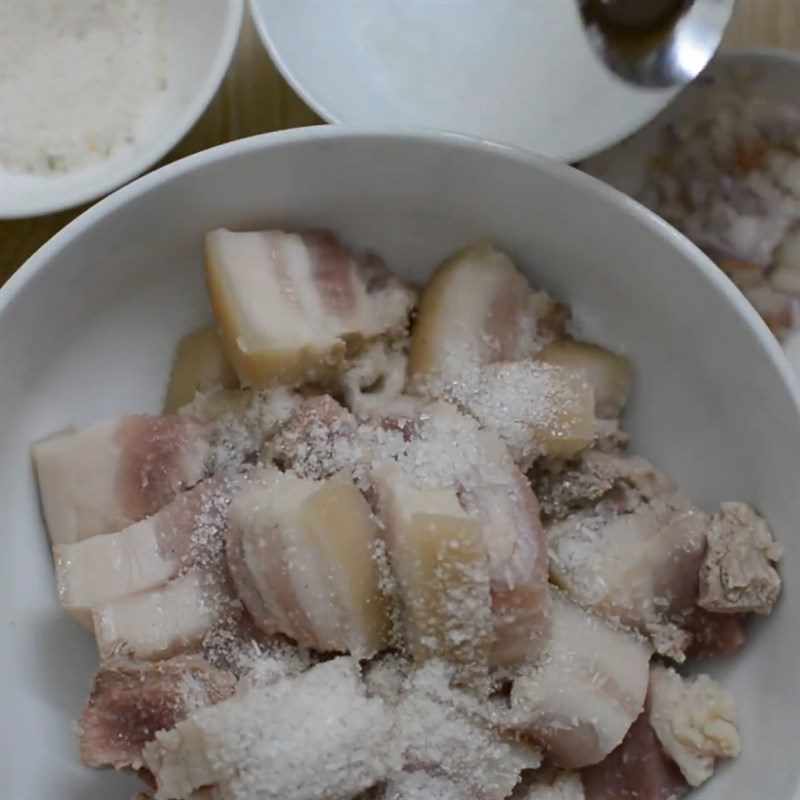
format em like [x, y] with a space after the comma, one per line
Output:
[76, 79]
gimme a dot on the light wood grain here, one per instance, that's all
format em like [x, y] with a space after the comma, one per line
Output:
[254, 98]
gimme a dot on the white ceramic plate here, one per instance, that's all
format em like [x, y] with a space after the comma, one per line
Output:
[516, 71]
[772, 73]
[202, 38]
[88, 327]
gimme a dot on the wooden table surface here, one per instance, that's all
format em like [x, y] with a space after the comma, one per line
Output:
[254, 98]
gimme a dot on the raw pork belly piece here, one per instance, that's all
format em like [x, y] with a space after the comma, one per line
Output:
[563, 488]
[479, 325]
[737, 574]
[188, 531]
[199, 366]
[535, 408]
[609, 374]
[130, 701]
[319, 439]
[478, 309]
[301, 555]
[290, 306]
[515, 542]
[439, 559]
[240, 421]
[453, 734]
[164, 621]
[443, 449]
[115, 473]
[640, 567]
[580, 698]
[316, 736]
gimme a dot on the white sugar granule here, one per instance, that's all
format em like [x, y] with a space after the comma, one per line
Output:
[240, 421]
[448, 731]
[423, 786]
[386, 676]
[314, 736]
[77, 78]
[512, 399]
[261, 665]
[552, 786]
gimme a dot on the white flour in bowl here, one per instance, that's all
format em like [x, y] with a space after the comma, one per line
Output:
[76, 78]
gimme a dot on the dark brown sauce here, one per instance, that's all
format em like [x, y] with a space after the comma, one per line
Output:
[634, 25]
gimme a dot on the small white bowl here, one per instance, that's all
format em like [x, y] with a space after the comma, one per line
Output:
[202, 38]
[88, 326]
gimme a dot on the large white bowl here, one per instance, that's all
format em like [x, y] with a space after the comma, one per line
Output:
[88, 325]
[201, 40]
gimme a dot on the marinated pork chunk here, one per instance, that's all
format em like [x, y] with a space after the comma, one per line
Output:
[115, 473]
[318, 440]
[130, 701]
[637, 770]
[607, 373]
[438, 556]
[737, 573]
[163, 621]
[443, 449]
[514, 539]
[449, 733]
[623, 482]
[566, 487]
[451, 739]
[301, 554]
[200, 365]
[187, 532]
[551, 785]
[437, 449]
[535, 408]
[640, 567]
[316, 736]
[239, 421]
[579, 699]
[694, 721]
[420, 786]
[289, 306]
[477, 309]
[479, 325]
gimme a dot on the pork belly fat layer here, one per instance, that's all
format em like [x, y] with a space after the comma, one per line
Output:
[115, 473]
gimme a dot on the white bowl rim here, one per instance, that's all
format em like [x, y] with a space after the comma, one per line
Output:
[698, 260]
[306, 95]
[142, 159]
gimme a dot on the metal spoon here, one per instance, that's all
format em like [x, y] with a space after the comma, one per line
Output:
[655, 43]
